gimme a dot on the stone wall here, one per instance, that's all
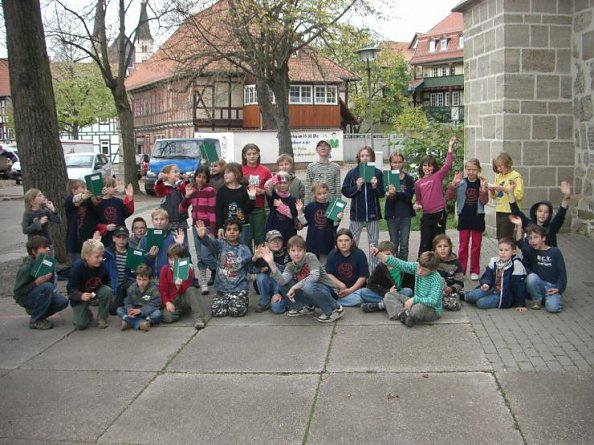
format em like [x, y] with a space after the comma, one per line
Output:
[583, 84]
[518, 71]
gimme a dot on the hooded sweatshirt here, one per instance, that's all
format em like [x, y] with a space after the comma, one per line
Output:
[552, 225]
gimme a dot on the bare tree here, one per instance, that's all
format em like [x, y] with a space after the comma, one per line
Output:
[36, 124]
[258, 37]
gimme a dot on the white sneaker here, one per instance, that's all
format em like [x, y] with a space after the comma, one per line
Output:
[204, 289]
[475, 277]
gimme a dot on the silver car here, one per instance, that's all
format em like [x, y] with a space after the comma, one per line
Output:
[79, 165]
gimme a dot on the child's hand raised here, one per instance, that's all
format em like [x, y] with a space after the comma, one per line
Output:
[453, 141]
[299, 205]
[179, 236]
[200, 229]
[266, 255]
[129, 190]
[189, 190]
[457, 179]
[515, 220]
[373, 250]
[483, 183]
[565, 188]
[251, 190]
[97, 235]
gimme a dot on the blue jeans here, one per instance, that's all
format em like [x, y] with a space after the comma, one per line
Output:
[43, 301]
[269, 287]
[482, 299]
[537, 288]
[315, 294]
[365, 295]
[399, 230]
[204, 258]
[154, 317]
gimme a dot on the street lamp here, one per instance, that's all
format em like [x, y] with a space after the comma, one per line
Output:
[368, 55]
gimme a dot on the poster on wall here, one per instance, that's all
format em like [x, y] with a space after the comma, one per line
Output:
[304, 144]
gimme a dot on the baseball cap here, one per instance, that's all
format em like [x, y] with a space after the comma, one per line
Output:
[273, 234]
[121, 230]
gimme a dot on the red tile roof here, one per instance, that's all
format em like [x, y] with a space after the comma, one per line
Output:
[4, 78]
[186, 43]
[451, 28]
[400, 47]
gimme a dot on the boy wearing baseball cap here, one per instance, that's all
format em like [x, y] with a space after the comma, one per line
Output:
[270, 290]
[115, 260]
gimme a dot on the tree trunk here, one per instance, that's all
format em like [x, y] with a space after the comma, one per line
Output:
[75, 132]
[281, 93]
[127, 151]
[36, 122]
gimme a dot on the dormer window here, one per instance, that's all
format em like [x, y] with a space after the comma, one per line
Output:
[461, 41]
[443, 44]
[431, 46]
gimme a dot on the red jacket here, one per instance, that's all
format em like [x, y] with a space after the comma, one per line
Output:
[166, 286]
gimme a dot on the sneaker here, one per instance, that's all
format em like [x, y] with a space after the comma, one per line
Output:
[124, 326]
[212, 278]
[406, 319]
[145, 326]
[335, 315]
[102, 323]
[43, 325]
[262, 308]
[475, 277]
[305, 310]
[338, 310]
[198, 324]
[370, 307]
[534, 305]
[204, 289]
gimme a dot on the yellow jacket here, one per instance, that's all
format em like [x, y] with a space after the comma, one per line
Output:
[501, 199]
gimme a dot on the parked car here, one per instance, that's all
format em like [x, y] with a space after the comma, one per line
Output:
[78, 165]
[142, 164]
[8, 156]
[184, 153]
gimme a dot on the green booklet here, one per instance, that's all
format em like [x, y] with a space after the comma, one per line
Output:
[44, 264]
[94, 183]
[181, 268]
[366, 170]
[335, 207]
[209, 152]
[155, 237]
[392, 177]
[134, 258]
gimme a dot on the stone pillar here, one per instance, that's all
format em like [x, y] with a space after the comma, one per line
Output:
[583, 84]
[518, 91]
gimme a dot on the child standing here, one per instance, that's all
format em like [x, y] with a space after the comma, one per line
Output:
[156, 257]
[89, 280]
[321, 231]
[270, 291]
[216, 174]
[234, 263]
[285, 164]
[399, 207]
[283, 210]
[172, 189]
[323, 171]
[365, 196]
[429, 196]
[112, 211]
[505, 175]
[471, 195]
[235, 200]
[347, 268]
[502, 284]
[80, 218]
[450, 270]
[178, 296]
[138, 232]
[142, 306]
[202, 197]
[307, 282]
[38, 213]
[256, 175]
[547, 280]
[37, 295]
[426, 304]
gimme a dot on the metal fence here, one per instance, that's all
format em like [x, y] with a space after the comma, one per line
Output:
[383, 144]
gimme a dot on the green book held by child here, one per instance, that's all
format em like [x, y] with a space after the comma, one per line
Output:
[367, 170]
[94, 183]
[44, 264]
[181, 268]
[335, 207]
[392, 177]
[209, 152]
[134, 258]
[155, 237]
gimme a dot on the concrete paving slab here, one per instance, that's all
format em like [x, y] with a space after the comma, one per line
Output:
[112, 349]
[255, 349]
[355, 316]
[218, 409]
[552, 407]
[412, 409]
[65, 405]
[13, 441]
[426, 348]
[18, 343]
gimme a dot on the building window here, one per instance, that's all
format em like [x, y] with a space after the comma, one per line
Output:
[456, 98]
[431, 46]
[453, 71]
[325, 94]
[300, 94]
[446, 97]
[435, 71]
[443, 44]
[444, 70]
[436, 99]
[250, 96]
[105, 147]
[461, 41]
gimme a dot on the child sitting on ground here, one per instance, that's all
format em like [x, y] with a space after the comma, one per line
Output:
[547, 280]
[270, 291]
[178, 296]
[115, 257]
[502, 284]
[142, 306]
[89, 280]
[426, 304]
[451, 271]
[307, 282]
[111, 211]
[234, 263]
[37, 295]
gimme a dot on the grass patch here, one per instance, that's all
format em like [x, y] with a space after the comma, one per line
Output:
[416, 221]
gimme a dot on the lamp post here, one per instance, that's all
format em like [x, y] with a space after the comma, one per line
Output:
[368, 55]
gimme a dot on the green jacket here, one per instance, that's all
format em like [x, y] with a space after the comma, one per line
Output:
[24, 282]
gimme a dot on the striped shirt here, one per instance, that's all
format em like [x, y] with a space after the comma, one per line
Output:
[203, 203]
[120, 259]
[326, 173]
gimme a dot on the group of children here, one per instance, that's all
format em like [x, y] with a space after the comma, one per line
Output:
[245, 221]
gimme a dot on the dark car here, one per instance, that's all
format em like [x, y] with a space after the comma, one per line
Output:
[142, 164]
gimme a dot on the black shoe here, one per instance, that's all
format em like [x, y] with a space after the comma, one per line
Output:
[370, 307]
[262, 308]
[256, 287]
[461, 295]
[403, 316]
[212, 277]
